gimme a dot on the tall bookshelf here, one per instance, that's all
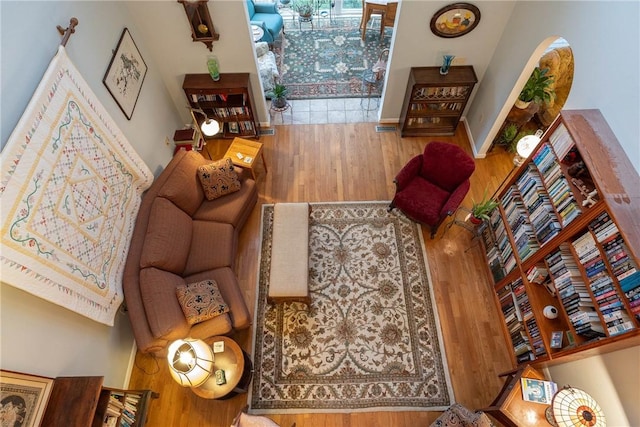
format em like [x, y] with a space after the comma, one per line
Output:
[566, 234]
[229, 101]
[433, 103]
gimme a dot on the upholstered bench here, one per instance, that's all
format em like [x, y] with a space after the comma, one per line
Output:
[289, 271]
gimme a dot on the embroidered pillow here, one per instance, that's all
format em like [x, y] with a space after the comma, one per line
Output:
[201, 301]
[218, 178]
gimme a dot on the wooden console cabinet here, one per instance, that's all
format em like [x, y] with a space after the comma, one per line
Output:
[228, 100]
[433, 103]
[567, 234]
[84, 402]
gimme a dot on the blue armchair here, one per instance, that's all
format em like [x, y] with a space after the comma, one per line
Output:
[266, 16]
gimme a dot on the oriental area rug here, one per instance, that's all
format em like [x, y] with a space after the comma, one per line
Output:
[370, 340]
[328, 62]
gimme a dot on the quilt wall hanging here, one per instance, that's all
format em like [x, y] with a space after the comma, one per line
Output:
[70, 191]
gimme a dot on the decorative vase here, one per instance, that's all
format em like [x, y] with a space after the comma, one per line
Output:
[213, 66]
[446, 63]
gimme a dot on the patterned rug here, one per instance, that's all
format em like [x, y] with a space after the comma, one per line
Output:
[370, 339]
[328, 62]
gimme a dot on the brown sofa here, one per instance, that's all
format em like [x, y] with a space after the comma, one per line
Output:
[180, 237]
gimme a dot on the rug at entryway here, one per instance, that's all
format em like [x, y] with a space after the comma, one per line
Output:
[328, 62]
[371, 339]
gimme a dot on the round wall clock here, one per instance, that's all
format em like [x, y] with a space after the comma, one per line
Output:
[455, 20]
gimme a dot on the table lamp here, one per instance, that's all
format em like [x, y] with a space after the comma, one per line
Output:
[209, 126]
[572, 407]
[190, 362]
[526, 145]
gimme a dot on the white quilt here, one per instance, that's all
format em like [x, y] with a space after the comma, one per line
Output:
[70, 190]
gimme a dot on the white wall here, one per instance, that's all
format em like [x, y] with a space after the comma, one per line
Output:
[612, 380]
[37, 336]
[166, 24]
[415, 45]
[607, 65]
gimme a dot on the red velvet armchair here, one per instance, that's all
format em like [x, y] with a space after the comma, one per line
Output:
[433, 184]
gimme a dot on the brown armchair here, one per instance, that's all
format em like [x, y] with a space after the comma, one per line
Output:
[433, 184]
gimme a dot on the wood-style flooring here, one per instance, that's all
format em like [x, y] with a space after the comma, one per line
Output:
[351, 162]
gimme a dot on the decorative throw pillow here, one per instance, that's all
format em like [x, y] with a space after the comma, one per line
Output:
[261, 48]
[218, 178]
[201, 301]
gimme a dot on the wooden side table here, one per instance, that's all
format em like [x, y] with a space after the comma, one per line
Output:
[244, 152]
[510, 409]
[236, 365]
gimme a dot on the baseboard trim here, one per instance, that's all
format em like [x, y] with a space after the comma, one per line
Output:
[471, 141]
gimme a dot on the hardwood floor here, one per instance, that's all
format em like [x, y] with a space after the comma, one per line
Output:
[352, 162]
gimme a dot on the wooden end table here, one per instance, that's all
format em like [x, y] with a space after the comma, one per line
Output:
[243, 153]
[237, 368]
[510, 408]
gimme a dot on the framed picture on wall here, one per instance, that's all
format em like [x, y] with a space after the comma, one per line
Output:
[23, 398]
[125, 74]
[455, 20]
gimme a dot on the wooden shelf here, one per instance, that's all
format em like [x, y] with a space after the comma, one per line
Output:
[546, 245]
[228, 100]
[434, 103]
[83, 401]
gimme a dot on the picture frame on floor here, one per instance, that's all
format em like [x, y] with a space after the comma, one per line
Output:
[23, 398]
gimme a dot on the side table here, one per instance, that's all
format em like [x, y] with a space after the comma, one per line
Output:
[244, 152]
[510, 408]
[257, 32]
[237, 368]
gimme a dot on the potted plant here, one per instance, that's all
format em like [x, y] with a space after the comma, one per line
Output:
[508, 134]
[536, 89]
[303, 7]
[279, 96]
[480, 210]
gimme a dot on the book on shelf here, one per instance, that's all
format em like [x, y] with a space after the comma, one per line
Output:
[538, 391]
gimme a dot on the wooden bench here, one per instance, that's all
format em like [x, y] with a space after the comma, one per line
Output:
[289, 270]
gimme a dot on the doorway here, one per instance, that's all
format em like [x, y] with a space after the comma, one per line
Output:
[554, 59]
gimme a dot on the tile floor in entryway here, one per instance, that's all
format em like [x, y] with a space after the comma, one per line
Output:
[318, 111]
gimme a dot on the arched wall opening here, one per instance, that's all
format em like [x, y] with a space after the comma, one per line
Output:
[555, 53]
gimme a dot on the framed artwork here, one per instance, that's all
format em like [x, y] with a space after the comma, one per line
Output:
[125, 74]
[455, 20]
[23, 398]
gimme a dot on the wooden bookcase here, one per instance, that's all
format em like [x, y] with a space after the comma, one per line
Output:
[433, 103]
[228, 100]
[547, 244]
[83, 402]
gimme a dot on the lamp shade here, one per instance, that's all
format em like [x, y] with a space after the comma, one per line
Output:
[575, 408]
[210, 127]
[528, 143]
[190, 361]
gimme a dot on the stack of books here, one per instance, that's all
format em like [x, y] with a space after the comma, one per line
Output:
[513, 319]
[502, 240]
[558, 188]
[535, 198]
[516, 215]
[607, 298]
[573, 293]
[561, 141]
[623, 266]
